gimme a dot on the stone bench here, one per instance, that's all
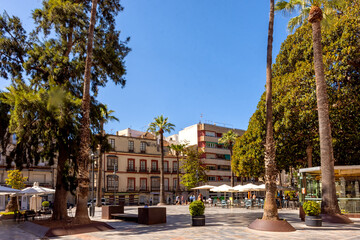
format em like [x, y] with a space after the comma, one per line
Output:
[151, 215]
[107, 211]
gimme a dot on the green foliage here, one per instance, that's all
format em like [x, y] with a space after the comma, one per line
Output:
[15, 179]
[45, 204]
[294, 100]
[228, 139]
[193, 167]
[311, 208]
[197, 208]
[177, 148]
[160, 125]
[10, 213]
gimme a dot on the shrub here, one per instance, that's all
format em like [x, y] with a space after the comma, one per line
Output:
[45, 204]
[311, 208]
[197, 208]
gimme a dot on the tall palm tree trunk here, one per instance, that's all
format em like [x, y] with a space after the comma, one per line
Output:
[270, 208]
[98, 182]
[232, 172]
[178, 175]
[81, 215]
[60, 199]
[162, 190]
[329, 203]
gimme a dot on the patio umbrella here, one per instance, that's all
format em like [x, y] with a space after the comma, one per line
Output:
[223, 188]
[7, 190]
[204, 187]
[37, 190]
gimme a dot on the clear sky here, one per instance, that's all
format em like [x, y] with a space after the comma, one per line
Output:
[189, 58]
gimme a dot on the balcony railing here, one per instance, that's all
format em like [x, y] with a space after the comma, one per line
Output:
[174, 170]
[143, 170]
[166, 170]
[155, 170]
[131, 150]
[112, 188]
[155, 188]
[111, 168]
[131, 169]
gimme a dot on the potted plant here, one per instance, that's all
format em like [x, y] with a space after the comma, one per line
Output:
[197, 209]
[312, 210]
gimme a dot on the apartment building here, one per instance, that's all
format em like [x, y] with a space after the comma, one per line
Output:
[42, 173]
[132, 169]
[216, 157]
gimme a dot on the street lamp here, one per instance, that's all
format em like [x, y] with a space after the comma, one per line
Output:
[114, 184]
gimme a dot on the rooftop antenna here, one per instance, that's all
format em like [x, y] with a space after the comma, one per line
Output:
[201, 117]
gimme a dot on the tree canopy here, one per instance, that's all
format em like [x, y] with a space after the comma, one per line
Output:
[295, 117]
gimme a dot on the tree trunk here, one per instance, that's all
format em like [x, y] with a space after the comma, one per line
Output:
[329, 203]
[81, 215]
[13, 204]
[232, 172]
[99, 177]
[162, 190]
[60, 199]
[309, 150]
[178, 176]
[270, 208]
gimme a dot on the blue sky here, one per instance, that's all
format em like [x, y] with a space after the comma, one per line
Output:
[188, 58]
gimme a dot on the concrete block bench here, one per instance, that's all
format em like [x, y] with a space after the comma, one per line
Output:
[151, 215]
[106, 211]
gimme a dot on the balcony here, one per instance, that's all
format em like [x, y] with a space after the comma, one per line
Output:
[112, 188]
[167, 170]
[131, 169]
[144, 189]
[174, 170]
[112, 167]
[142, 151]
[131, 189]
[155, 170]
[143, 170]
[131, 150]
[155, 188]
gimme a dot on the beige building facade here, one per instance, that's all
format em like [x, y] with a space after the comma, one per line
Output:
[132, 169]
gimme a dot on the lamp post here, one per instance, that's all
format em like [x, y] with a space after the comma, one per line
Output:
[92, 188]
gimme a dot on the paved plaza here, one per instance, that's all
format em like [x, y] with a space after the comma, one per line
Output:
[221, 223]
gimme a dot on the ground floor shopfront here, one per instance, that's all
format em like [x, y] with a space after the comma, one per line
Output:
[347, 180]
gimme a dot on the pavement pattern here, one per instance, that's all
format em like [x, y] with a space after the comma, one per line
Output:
[221, 223]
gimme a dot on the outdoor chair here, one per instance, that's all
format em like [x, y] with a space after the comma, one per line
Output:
[248, 203]
[223, 204]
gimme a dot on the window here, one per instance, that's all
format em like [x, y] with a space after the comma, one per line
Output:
[210, 134]
[166, 166]
[131, 165]
[112, 143]
[211, 179]
[175, 183]
[112, 182]
[131, 146]
[166, 184]
[155, 184]
[143, 184]
[154, 166]
[131, 184]
[211, 167]
[143, 147]
[210, 156]
[219, 135]
[211, 145]
[175, 167]
[112, 163]
[143, 166]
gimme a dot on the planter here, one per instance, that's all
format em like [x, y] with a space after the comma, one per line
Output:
[313, 221]
[198, 220]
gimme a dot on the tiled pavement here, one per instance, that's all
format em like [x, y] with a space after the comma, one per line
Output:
[221, 223]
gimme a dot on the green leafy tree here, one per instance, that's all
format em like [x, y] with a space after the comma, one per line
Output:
[177, 149]
[312, 10]
[16, 181]
[52, 57]
[193, 168]
[228, 140]
[159, 127]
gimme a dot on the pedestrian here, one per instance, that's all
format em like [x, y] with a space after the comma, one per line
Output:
[150, 201]
[182, 199]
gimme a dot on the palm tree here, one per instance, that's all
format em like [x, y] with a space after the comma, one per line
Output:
[178, 149]
[228, 139]
[312, 10]
[104, 147]
[158, 127]
[81, 215]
